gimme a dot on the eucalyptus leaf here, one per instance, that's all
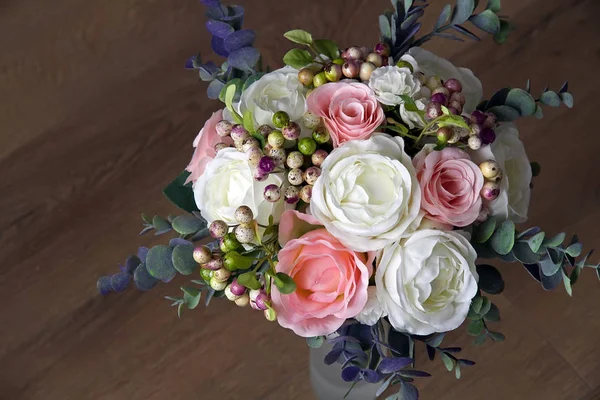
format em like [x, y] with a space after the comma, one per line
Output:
[536, 241]
[384, 27]
[567, 283]
[497, 336]
[539, 112]
[299, 36]
[549, 267]
[457, 372]
[521, 100]
[408, 391]
[484, 231]
[555, 241]
[505, 113]
[487, 21]
[183, 259]
[462, 11]
[550, 98]
[503, 239]
[493, 5]
[522, 252]
[475, 327]
[191, 297]
[448, 362]
[574, 250]
[297, 58]
[188, 224]
[493, 315]
[159, 264]
[551, 282]
[315, 342]
[567, 99]
[486, 306]
[498, 98]
[443, 18]
[476, 304]
[161, 225]
[479, 340]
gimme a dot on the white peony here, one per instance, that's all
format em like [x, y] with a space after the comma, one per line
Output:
[508, 151]
[426, 282]
[373, 311]
[279, 90]
[227, 183]
[390, 83]
[367, 195]
[430, 64]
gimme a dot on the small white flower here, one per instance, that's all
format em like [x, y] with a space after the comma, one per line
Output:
[367, 195]
[426, 282]
[508, 151]
[373, 311]
[227, 183]
[430, 64]
[279, 90]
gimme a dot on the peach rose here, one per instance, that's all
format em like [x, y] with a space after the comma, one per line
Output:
[205, 146]
[450, 185]
[331, 280]
[350, 110]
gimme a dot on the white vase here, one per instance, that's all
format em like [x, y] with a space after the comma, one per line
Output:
[327, 383]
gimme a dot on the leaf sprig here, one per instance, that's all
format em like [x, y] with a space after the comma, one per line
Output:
[317, 51]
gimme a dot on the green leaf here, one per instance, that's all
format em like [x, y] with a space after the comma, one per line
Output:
[505, 113]
[567, 283]
[457, 372]
[520, 100]
[385, 27]
[539, 113]
[497, 336]
[487, 21]
[452, 120]
[188, 224]
[229, 95]
[476, 304]
[248, 279]
[443, 18]
[237, 82]
[161, 225]
[284, 283]
[536, 241]
[251, 79]
[555, 241]
[479, 340]
[436, 340]
[502, 35]
[409, 103]
[297, 58]
[536, 168]
[159, 263]
[493, 315]
[485, 307]
[315, 342]
[462, 11]
[549, 267]
[484, 231]
[524, 254]
[248, 121]
[183, 259]
[448, 362]
[328, 48]
[550, 98]
[299, 36]
[475, 327]
[567, 99]
[191, 297]
[493, 5]
[503, 239]
[574, 250]
[180, 194]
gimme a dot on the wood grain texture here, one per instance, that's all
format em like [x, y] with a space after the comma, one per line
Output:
[98, 115]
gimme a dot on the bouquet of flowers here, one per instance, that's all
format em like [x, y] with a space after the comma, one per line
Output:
[350, 194]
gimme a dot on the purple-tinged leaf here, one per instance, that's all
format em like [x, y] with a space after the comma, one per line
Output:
[384, 386]
[343, 339]
[332, 356]
[235, 16]
[209, 295]
[104, 285]
[534, 271]
[218, 46]
[466, 362]
[142, 279]
[177, 241]
[466, 32]
[211, 3]
[410, 34]
[380, 343]
[216, 12]
[244, 59]
[147, 229]
[119, 281]
[219, 29]
[551, 282]
[208, 71]
[214, 88]
[436, 340]
[348, 361]
[142, 253]
[214, 245]
[431, 352]
[131, 264]
[350, 374]
[371, 376]
[239, 39]
[393, 364]
[189, 64]
[411, 373]
[452, 350]
[408, 392]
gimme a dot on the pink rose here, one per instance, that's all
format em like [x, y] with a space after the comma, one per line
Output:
[350, 110]
[450, 185]
[205, 146]
[331, 280]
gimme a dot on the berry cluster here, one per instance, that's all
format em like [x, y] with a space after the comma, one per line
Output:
[355, 63]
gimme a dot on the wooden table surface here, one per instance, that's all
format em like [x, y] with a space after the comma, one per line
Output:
[98, 115]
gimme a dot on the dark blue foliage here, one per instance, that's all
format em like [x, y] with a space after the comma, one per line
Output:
[119, 281]
[211, 3]
[104, 286]
[142, 278]
[239, 39]
[142, 253]
[394, 364]
[219, 29]
[131, 264]
[350, 373]
[370, 375]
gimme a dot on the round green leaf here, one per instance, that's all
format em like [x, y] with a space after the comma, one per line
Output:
[142, 279]
[475, 327]
[284, 283]
[503, 239]
[498, 98]
[160, 224]
[550, 99]
[520, 100]
[484, 231]
[522, 252]
[493, 315]
[535, 242]
[567, 99]
[159, 264]
[191, 297]
[315, 342]
[487, 21]
[187, 224]
[490, 279]
[505, 113]
[497, 336]
[476, 303]
[183, 259]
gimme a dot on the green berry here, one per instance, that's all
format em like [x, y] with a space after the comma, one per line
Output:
[276, 139]
[320, 79]
[404, 64]
[321, 135]
[281, 119]
[307, 146]
[230, 242]
[206, 274]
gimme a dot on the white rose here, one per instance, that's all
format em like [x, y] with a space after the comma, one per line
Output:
[373, 311]
[426, 282]
[390, 83]
[279, 90]
[227, 183]
[367, 195]
[508, 151]
[430, 64]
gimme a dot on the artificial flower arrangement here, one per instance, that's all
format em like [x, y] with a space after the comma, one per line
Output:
[350, 194]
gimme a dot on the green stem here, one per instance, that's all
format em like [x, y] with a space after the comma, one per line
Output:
[349, 390]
